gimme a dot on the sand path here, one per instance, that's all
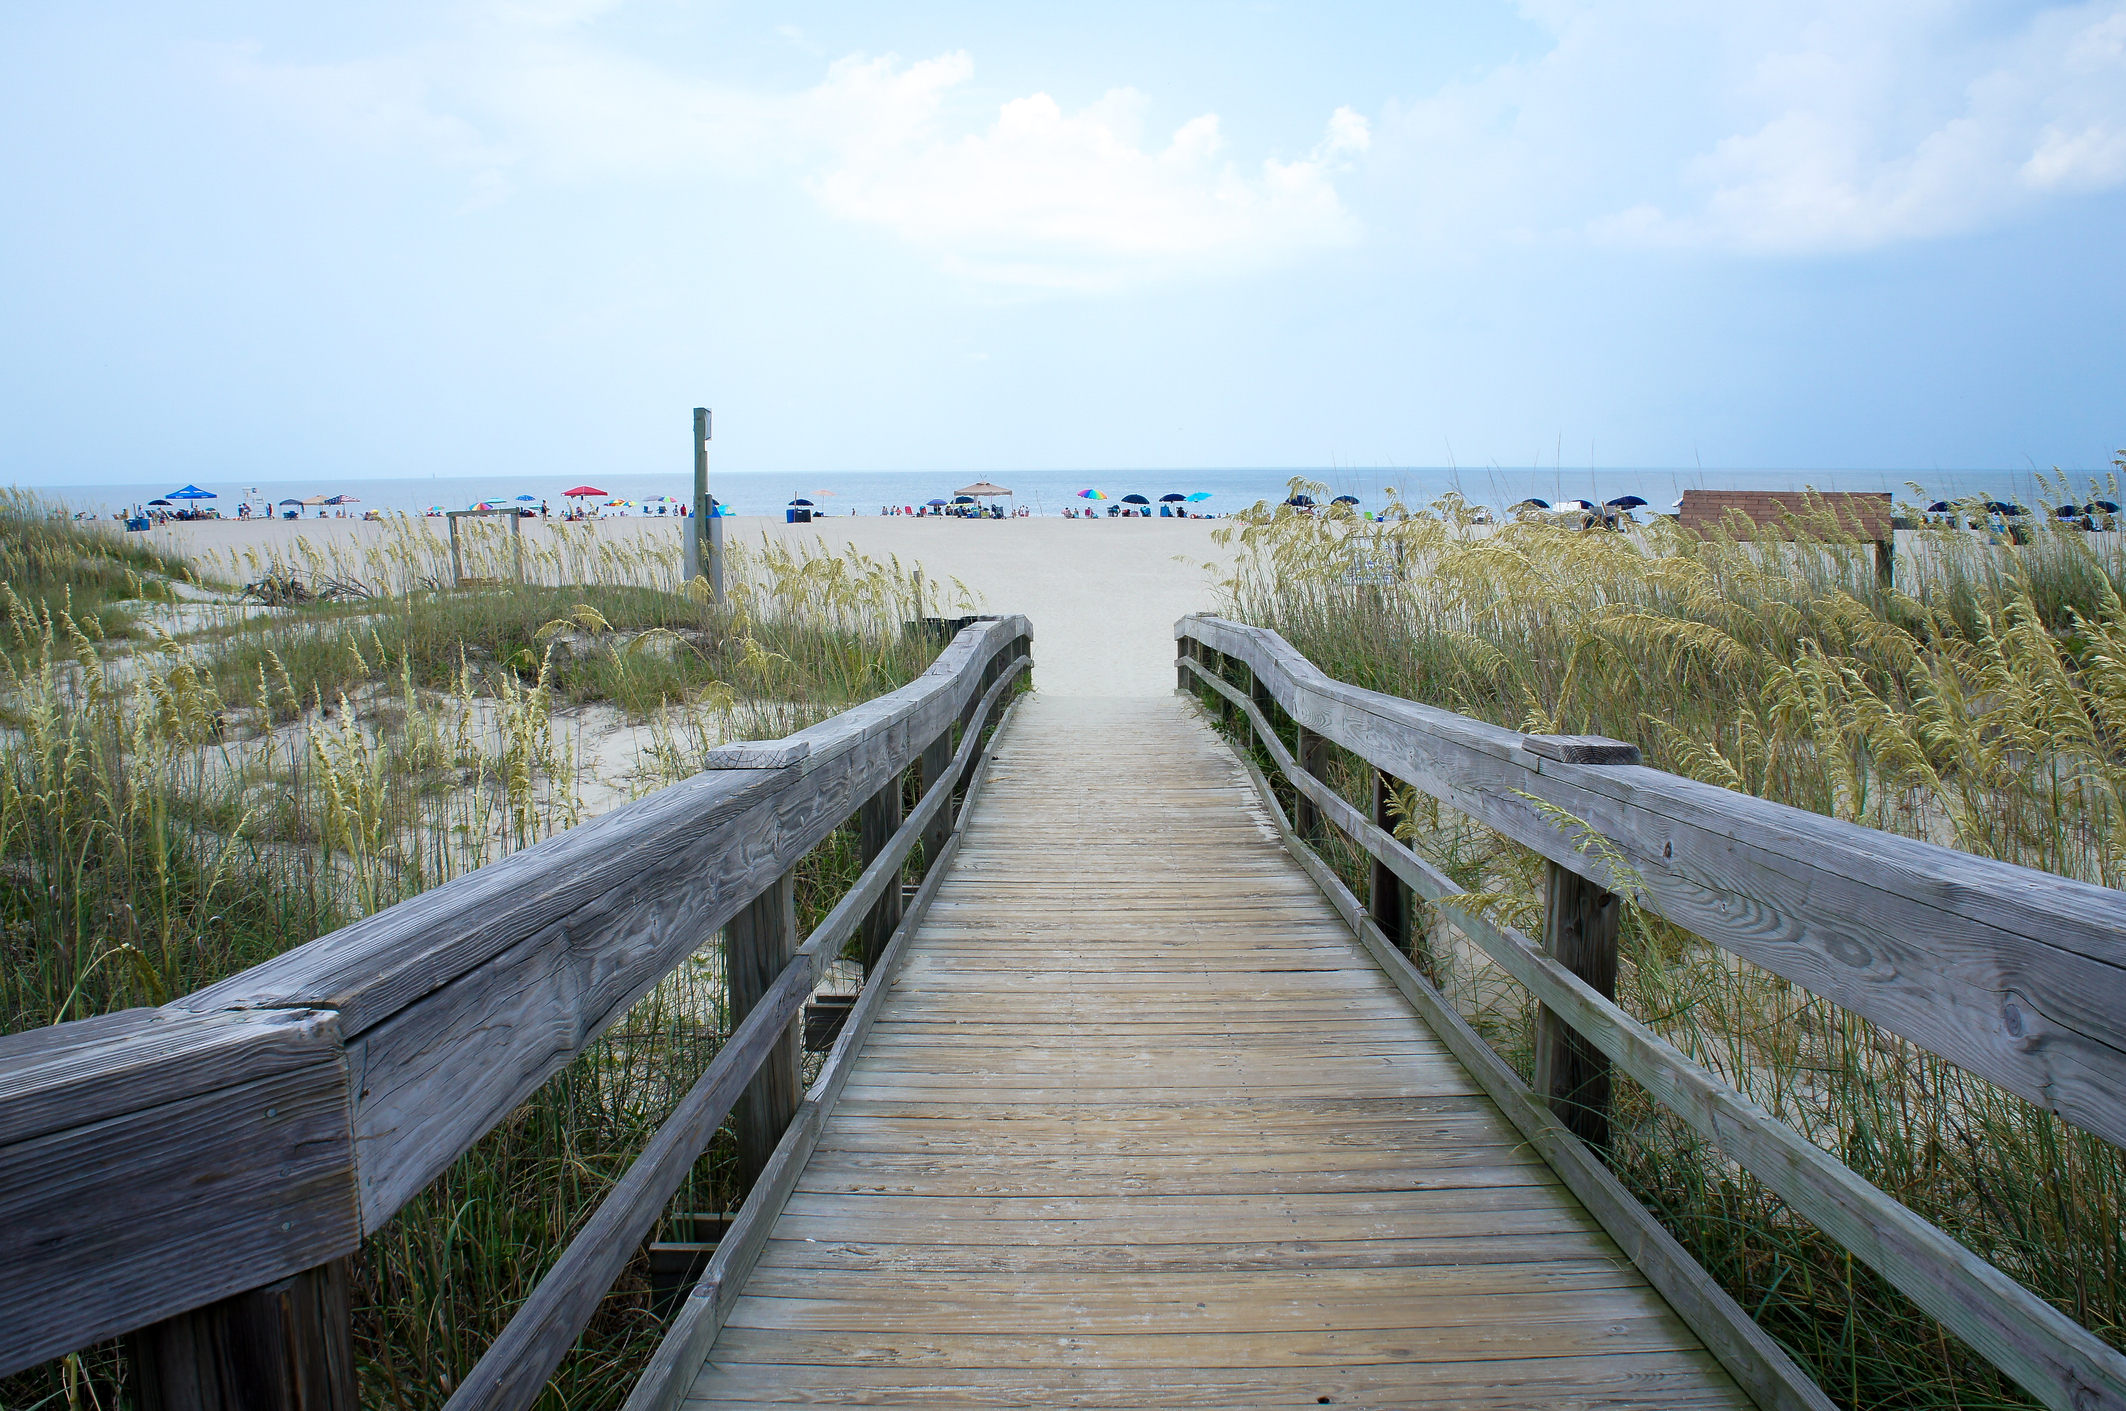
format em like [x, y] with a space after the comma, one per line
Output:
[1103, 594]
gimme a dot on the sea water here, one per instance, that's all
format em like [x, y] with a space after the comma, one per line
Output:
[1048, 492]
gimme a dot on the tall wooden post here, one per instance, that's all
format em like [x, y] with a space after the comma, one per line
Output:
[758, 943]
[1580, 922]
[876, 823]
[1388, 899]
[704, 535]
[937, 759]
[1184, 680]
[284, 1347]
[1312, 754]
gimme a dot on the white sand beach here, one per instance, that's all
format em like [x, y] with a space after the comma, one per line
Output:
[1103, 594]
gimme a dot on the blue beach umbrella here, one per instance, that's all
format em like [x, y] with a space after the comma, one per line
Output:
[1199, 495]
[192, 492]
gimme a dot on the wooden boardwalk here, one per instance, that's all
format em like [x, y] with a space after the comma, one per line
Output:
[1139, 1124]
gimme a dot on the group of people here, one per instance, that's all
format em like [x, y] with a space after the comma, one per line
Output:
[990, 511]
[155, 514]
[1133, 512]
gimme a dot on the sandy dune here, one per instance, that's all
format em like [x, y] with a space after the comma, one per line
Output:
[1103, 594]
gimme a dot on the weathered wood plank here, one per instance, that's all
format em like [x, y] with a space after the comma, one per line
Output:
[2017, 975]
[694, 1328]
[1580, 922]
[602, 912]
[2059, 1361]
[287, 1346]
[2048, 1353]
[135, 1179]
[1594, 1383]
[1020, 1154]
[213, 1157]
[877, 822]
[775, 1130]
[759, 945]
[2053, 1357]
[1758, 1363]
[515, 1367]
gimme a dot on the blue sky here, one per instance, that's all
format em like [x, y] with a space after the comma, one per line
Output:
[251, 240]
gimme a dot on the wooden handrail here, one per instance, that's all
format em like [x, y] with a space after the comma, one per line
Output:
[156, 1161]
[697, 1321]
[2056, 1359]
[2017, 975]
[515, 1367]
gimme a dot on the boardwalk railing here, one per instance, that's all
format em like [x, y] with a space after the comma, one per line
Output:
[2016, 975]
[196, 1175]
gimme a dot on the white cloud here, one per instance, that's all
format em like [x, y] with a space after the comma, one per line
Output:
[1045, 197]
[1030, 196]
[1778, 128]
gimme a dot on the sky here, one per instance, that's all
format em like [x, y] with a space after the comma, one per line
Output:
[261, 241]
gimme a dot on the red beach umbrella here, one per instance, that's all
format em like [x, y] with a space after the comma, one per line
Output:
[584, 490]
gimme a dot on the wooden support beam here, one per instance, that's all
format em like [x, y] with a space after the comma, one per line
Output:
[1311, 756]
[1388, 896]
[935, 764]
[759, 943]
[1580, 923]
[877, 821]
[284, 1347]
[1258, 691]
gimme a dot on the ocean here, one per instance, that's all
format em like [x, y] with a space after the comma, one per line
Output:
[1048, 492]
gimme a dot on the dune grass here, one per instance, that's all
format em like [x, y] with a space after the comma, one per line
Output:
[1978, 702]
[176, 809]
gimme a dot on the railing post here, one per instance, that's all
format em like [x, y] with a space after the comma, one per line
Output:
[759, 943]
[1310, 756]
[937, 758]
[876, 823]
[1388, 899]
[1580, 922]
[1260, 695]
[284, 1347]
[1184, 648]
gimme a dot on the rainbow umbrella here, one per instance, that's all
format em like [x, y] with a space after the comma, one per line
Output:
[1091, 495]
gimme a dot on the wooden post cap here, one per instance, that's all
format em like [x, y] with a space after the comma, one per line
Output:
[1581, 749]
